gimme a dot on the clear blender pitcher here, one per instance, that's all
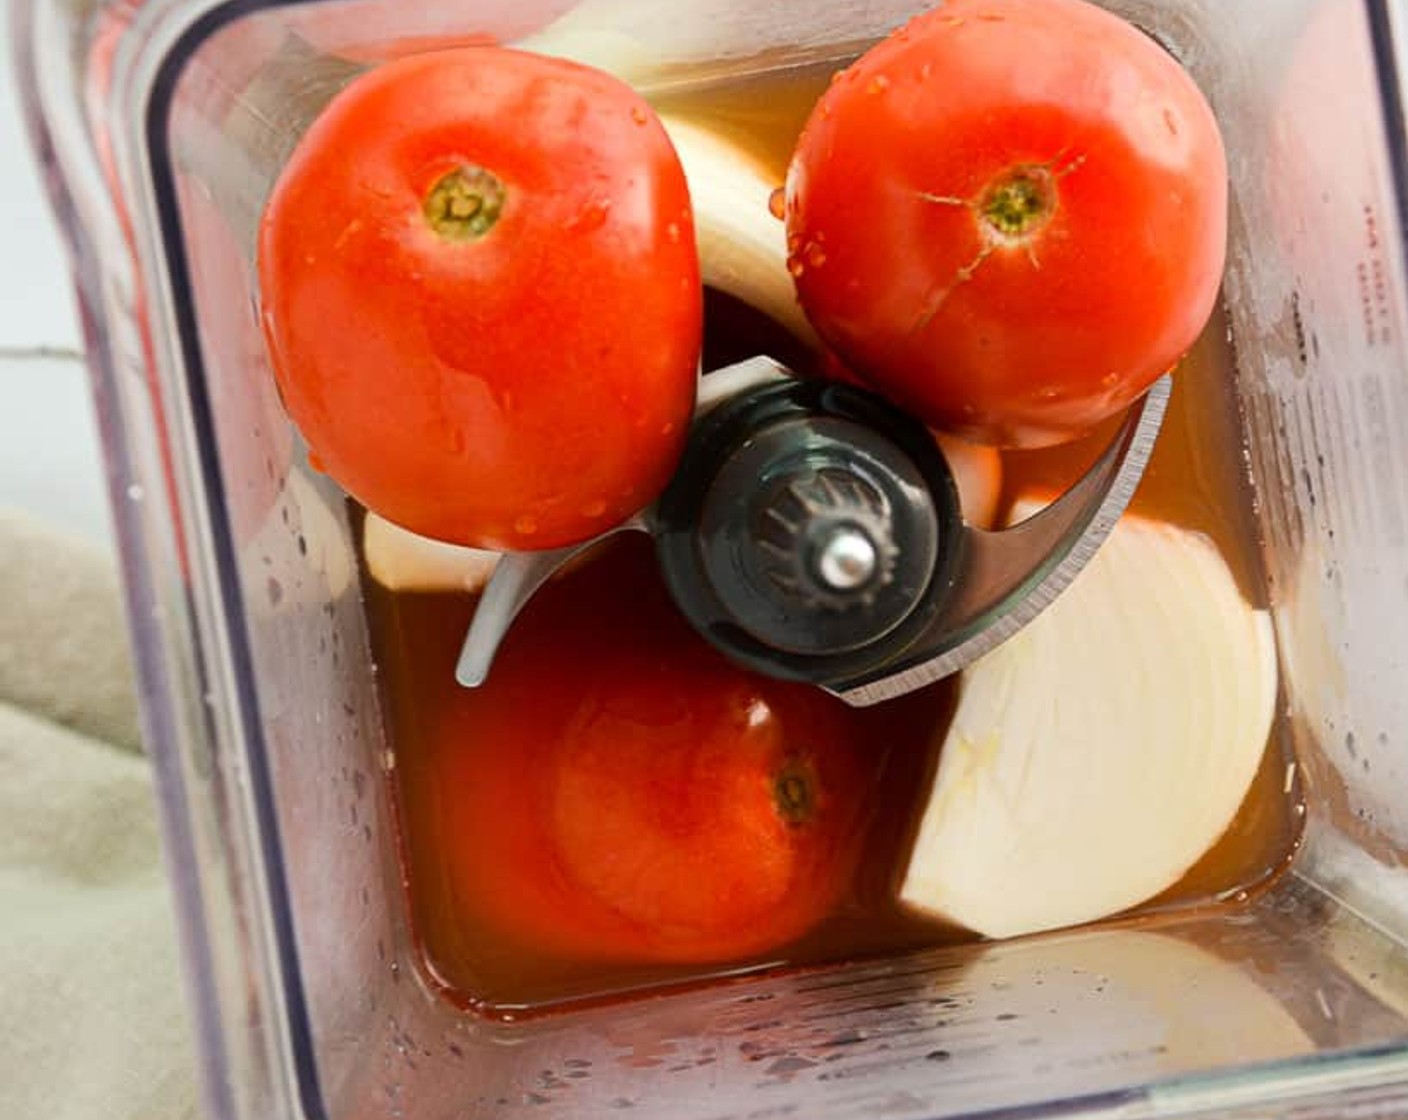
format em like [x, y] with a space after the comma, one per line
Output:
[246, 606]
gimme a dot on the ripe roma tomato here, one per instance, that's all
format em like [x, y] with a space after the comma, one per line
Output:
[1010, 217]
[616, 790]
[482, 299]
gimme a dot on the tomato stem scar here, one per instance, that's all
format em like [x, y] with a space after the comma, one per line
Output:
[1020, 203]
[793, 793]
[1012, 208]
[464, 204]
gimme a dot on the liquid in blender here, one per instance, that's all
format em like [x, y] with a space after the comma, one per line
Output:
[1195, 480]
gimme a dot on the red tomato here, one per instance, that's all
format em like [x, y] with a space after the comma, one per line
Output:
[1010, 217]
[618, 791]
[482, 298]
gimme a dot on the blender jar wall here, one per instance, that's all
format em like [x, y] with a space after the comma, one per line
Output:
[1323, 391]
[260, 699]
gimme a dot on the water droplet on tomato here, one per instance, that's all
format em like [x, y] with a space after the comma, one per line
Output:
[815, 256]
[594, 509]
[878, 84]
[672, 231]
[836, 77]
[794, 243]
[925, 71]
[796, 267]
[525, 524]
[348, 232]
[592, 216]
[777, 203]
[639, 115]
[667, 428]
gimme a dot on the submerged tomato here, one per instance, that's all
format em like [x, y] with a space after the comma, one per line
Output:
[618, 791]
[482, 299]
[1010, 217]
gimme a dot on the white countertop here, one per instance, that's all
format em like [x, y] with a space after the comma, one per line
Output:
[50, 461]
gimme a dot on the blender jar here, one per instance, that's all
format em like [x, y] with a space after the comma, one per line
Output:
[161, 124]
